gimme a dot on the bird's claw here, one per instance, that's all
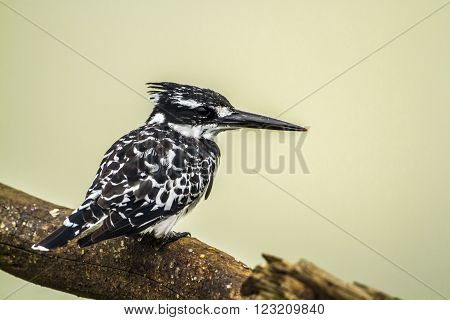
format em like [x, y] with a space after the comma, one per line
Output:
[171, 237]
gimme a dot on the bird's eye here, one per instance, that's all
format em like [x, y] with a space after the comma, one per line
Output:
[203, 111]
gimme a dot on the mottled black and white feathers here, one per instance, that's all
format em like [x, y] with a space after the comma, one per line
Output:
[149, 176]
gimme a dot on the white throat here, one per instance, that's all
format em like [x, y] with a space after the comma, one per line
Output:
[207, 131]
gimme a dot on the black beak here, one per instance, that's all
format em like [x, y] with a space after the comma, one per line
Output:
[242, 119]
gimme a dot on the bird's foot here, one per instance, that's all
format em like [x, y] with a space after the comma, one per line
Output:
[138, 236]
[171, 237]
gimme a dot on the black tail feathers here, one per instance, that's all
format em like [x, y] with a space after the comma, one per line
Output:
[73, 225]
[85, 241]
[58, 238]
[98, 235]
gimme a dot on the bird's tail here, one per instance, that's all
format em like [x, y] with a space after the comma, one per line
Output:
[86, 241]
[72, 227]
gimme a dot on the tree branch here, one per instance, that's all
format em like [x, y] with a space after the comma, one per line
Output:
[116, 269]
[128, 269]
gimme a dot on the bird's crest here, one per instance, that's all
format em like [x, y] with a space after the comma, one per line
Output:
[166, 94]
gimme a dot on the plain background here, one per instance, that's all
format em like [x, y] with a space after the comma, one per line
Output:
[377, 149]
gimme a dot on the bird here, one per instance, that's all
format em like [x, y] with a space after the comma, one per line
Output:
[154, 175]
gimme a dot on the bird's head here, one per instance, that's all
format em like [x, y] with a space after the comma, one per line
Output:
[202, 113]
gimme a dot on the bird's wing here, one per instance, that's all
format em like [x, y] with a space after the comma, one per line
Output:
[157, 178]
[110, 164]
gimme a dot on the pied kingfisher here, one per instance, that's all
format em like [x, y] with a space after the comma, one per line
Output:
[155, 174]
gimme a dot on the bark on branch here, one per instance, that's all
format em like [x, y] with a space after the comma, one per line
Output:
[303, 280]
[128, 269]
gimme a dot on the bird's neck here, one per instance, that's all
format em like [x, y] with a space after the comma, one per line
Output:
[195, 131]
[206, 131]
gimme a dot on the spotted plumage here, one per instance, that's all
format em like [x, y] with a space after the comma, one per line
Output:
[158, 172]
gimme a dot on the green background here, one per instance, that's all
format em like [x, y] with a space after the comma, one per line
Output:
[377, 150]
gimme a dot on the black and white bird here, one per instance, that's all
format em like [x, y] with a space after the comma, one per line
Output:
[157, 173]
